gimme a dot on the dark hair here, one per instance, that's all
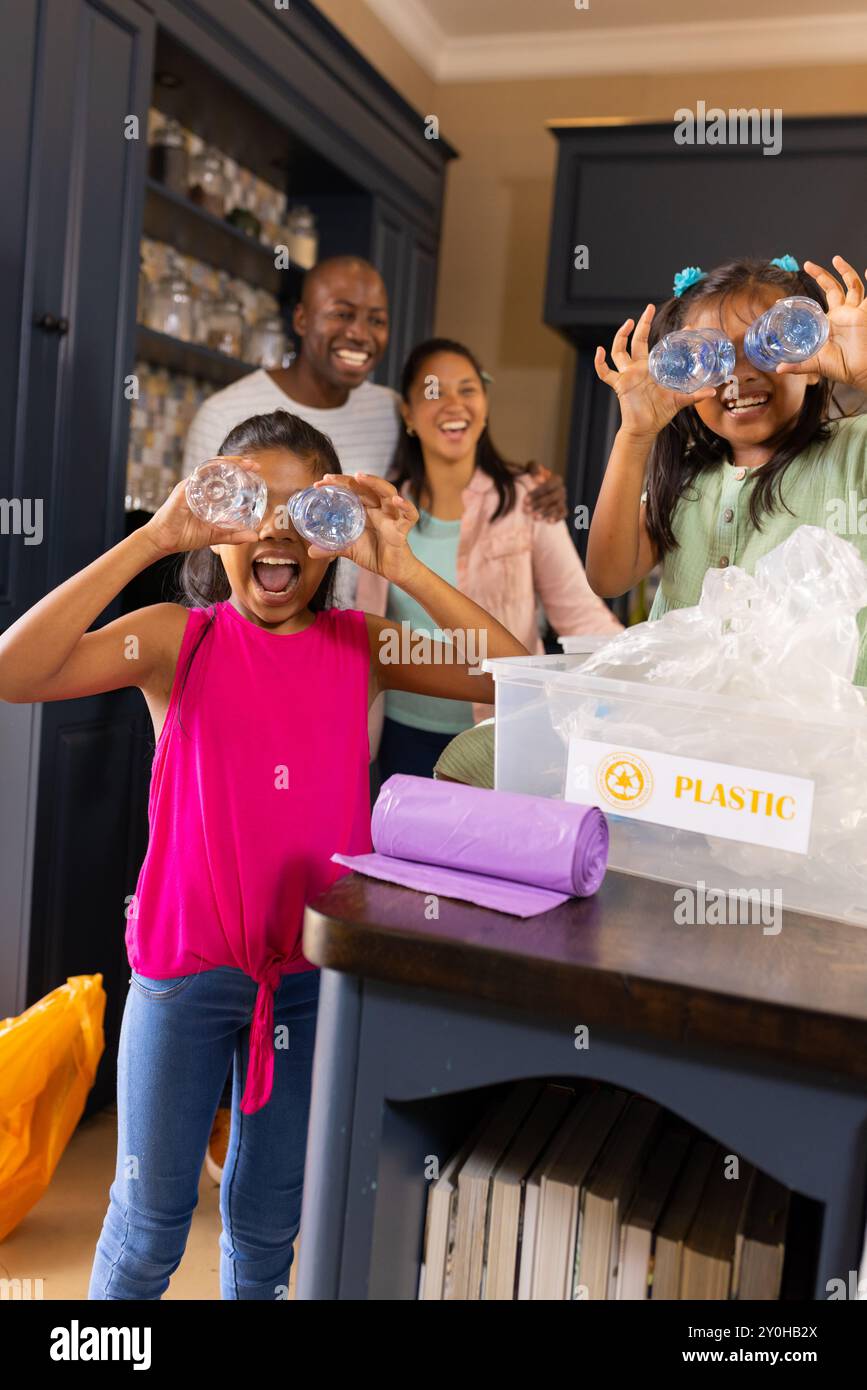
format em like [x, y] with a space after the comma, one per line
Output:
[407, 465]
[686, 446]
[203, 580]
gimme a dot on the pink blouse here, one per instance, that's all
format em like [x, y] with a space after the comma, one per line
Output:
[508, 565]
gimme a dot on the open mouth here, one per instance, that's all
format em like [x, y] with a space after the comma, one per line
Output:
[276, 577]
[356, 358]
[747, 405]
[454, 429]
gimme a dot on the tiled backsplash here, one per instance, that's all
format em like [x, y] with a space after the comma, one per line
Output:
[159, 421]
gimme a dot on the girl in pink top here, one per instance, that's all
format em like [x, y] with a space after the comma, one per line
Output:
[508, 559]
[259, 699]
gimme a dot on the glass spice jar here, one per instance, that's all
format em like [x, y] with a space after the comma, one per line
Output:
[266, 342]
[243, 218]
[225, 323]
[169, 304]
[168, 159]
[202, 308]
[208, 181]
[302, 238]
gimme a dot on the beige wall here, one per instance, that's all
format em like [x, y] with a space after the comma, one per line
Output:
[498, 210]
[498, 201]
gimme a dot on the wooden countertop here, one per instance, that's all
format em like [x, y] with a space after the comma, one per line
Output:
[617, 960]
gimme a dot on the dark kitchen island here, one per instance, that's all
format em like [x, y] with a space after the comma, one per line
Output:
[759, 1040]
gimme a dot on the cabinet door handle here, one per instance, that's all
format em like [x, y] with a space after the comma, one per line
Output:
[49, 324]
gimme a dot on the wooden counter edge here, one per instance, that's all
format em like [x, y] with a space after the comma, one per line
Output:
[684, 1015]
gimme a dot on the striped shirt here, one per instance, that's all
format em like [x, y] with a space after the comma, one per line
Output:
[364, 433]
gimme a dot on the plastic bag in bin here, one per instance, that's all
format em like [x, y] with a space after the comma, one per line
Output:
[787, 637]
[788, 633]
[48, 1060]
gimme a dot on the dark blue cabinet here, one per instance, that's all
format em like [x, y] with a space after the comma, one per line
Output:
[407, 258]
[72, 230]
[645, 206]
[78, 236]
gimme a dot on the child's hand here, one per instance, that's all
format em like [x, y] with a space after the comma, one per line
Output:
[844, 356]
[382, 546]
[645, 407]
[176, 528]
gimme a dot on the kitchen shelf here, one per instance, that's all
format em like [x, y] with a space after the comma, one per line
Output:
[192, 230]
[193, 359]
[226, 114]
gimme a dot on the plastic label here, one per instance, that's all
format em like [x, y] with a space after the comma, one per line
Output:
[719, 799]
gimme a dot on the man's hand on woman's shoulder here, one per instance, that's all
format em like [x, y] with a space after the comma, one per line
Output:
[548, 497]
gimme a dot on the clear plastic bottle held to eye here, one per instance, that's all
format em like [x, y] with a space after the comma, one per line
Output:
[330, 517]
[790, 331]
[223, 493]
[691, 358]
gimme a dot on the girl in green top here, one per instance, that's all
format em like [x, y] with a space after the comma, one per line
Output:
[730, 472]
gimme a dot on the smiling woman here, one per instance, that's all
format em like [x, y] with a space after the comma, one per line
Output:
[477, 529]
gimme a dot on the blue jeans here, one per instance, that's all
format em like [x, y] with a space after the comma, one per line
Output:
[177, 1039]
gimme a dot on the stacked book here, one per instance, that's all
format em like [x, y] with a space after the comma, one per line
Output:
[588, 1192]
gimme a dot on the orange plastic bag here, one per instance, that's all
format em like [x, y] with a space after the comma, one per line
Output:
[48, 1060]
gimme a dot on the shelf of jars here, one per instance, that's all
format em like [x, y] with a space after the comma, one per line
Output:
[222, 257]
[208, 207]
[190, 358]
[174, 218]
[222, 261]
[202, 329]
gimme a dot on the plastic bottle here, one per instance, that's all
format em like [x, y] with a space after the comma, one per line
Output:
[691, 358]
[223, 493]
[330, 517]
[790, 331]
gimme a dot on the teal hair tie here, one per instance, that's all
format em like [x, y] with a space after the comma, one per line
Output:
[785, 263]
[684, 279]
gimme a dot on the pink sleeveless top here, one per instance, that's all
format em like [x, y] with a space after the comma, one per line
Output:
[261, 773]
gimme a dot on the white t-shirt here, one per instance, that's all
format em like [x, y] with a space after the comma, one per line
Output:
[364, 433]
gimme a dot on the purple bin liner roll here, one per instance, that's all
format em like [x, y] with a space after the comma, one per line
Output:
[516, 853]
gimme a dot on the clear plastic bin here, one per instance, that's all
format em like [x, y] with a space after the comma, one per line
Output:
[573, 645]
[536, 695]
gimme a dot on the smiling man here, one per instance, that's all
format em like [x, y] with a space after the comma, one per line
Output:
[341, 322]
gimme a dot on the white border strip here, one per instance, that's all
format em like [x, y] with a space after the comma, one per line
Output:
[651, 48]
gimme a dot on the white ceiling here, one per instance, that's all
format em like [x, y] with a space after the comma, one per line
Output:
[459, 18]
[472, 40]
